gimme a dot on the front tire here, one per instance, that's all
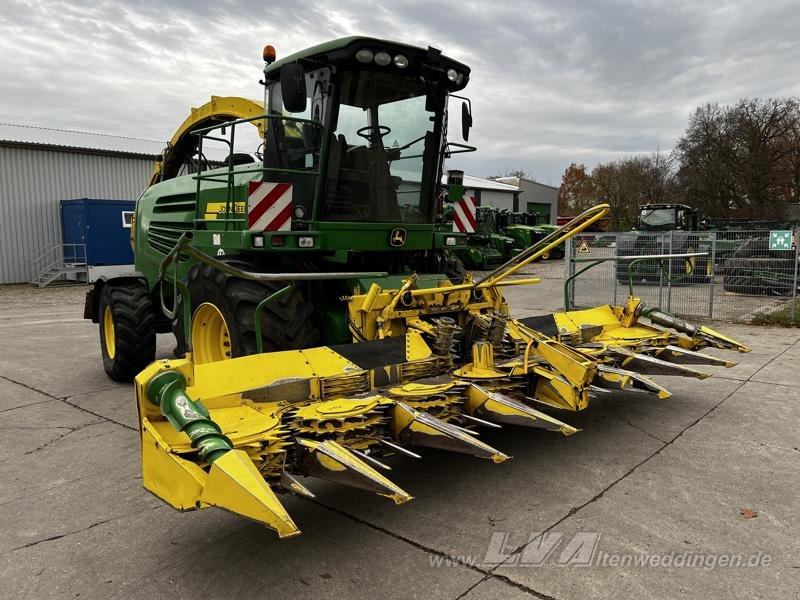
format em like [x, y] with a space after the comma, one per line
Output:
[127, 329]
[223, 319]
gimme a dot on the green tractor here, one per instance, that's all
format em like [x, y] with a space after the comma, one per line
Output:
[525, 230]
[488, 246]
[343, 180]
[665, 229]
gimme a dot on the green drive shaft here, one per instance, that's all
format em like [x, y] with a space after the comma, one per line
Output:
[167, 390]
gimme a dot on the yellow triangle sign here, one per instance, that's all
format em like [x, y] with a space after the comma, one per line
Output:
[584, 247]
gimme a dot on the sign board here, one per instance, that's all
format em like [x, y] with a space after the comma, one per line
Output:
[780, 239]
[584, 248]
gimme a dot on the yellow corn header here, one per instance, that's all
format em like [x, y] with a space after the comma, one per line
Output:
[427, 368]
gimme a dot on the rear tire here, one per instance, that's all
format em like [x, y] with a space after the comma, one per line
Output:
[285, 323]
[755, 275]
[127, 329]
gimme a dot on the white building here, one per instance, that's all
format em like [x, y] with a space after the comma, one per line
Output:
[535, 198]
[39, 167]
[492, 193]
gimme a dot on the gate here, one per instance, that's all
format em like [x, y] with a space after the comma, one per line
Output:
[739, 276]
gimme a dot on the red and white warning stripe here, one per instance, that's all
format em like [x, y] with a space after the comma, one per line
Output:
[269, 206]
[464, 219]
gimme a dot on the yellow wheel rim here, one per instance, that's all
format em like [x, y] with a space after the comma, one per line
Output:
[108, 333]
[690, 262]
[211, 339]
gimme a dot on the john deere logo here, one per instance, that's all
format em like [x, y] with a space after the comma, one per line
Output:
[398, 237]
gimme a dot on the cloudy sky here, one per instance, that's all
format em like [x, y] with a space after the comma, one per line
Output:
[552, 82]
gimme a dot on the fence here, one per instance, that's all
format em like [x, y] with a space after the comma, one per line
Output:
[737, 278]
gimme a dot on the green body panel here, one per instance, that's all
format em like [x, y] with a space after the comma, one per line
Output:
[213, 206]
[168, 209]
[521, 234]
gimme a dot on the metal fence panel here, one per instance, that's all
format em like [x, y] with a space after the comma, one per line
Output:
[738, 278]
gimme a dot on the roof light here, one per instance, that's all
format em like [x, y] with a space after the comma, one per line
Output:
[400, 61]
[452, 75]
[382, 59]
[364, 55]
[269, 54]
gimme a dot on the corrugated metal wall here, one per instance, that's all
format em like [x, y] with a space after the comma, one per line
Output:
[33, 180]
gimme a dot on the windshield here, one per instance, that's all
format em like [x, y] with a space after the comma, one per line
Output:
[652, 218]
[382, 141]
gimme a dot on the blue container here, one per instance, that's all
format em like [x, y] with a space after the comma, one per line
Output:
[103, 226]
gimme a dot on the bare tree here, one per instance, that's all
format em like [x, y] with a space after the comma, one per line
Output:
[742, 159]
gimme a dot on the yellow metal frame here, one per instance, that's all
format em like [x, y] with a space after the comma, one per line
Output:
[219, 108]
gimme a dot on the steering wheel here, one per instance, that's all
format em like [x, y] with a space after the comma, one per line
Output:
[367, 132]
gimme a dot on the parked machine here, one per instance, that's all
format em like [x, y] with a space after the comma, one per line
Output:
[740, 247]
[648, 238]
[319, 333]
[489, 245]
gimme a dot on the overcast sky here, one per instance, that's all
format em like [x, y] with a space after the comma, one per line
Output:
[552, 82]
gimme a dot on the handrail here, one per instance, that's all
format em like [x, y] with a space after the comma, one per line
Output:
[183, 247]
[547, 243]
[228, 177]
[599, 260]
[52, 257]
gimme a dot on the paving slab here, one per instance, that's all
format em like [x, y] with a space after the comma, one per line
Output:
[80, 479]
[688, 500]
[14, 395]
[460, 500]
[117, 404]
[493, 589]
[30, 428]
[211, 554]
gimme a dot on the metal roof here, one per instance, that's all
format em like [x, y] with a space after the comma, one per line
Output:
[484, 184]
[63, 138]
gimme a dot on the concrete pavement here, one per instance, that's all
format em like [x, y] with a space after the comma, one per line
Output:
[644, 478]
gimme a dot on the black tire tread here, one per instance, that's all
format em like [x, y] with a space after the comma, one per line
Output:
[285, 325]
[134, 329]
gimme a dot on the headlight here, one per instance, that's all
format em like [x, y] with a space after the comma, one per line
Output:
[364, 55]
[299, 212]
[452, 75]
[400, 61]
[382, 59]
[450, 241]
[305, 242]
[258, 241]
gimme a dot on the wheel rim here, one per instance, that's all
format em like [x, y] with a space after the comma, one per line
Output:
[211, 339]
[109, 337]
[546, 256]
[690, 263]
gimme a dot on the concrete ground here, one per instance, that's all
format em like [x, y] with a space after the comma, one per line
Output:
[685, 485]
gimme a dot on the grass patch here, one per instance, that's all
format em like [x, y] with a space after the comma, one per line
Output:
[781, 317]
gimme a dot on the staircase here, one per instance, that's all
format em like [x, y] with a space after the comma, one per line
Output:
[57, 262]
